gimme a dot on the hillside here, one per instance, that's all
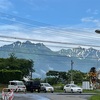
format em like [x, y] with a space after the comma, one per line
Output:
[45, 59]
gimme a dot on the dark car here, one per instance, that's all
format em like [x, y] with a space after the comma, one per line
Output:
[33, 86]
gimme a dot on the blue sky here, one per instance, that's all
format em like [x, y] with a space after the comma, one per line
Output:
[66, 21]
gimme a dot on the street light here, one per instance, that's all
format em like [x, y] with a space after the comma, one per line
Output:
[97, 31]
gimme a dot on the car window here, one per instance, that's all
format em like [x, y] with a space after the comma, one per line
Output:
[13, 83]
[67, 85]
[41, 84]
[20, 83]
[73, 85]
[47, 85]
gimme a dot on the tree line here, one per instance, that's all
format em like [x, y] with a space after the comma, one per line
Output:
[55, 77]
[13, 68]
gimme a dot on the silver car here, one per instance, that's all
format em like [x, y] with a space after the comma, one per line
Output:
[46, 87]
[72, 88]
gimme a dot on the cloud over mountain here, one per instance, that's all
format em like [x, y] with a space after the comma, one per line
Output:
[45, 59]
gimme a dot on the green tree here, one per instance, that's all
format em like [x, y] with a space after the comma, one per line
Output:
[13, 63]
[56, 76]
[77, 76]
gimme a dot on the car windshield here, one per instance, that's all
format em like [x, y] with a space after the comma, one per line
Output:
[73, 85]
[47, 85]
[20, 83]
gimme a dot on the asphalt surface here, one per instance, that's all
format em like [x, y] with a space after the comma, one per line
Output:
[29, 96]
[50, 96]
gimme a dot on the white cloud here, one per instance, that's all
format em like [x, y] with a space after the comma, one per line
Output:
[65, 36]
[34, 75]
[37, 4]
[9, 27]
[5, 4]
[87, 19]
[91, 20]
[43, 72]
[94, 12]
[51, 68]
[88, 10]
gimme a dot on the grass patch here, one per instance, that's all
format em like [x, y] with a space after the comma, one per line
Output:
[91, 91]
[95, 97]
[58, 88]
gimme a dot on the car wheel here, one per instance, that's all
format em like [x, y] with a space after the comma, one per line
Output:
[38, 90]
[27, 89]
[72, 91]
[45, 90]
[51, 91]
[8, 90]
[31, 90]
[64, 91]
[16, 90]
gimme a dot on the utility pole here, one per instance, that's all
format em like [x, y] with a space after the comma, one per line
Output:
[31, 74]
[72, 71]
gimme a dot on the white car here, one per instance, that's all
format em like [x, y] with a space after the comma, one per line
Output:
[72, 88]
[16, 86]
[46, 87]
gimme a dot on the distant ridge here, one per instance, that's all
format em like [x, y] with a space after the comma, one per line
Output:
[45, 59]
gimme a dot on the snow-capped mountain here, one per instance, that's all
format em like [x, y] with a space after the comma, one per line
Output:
[45, 59]
[81, 52]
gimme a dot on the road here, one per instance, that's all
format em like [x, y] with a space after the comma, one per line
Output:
[51, 96]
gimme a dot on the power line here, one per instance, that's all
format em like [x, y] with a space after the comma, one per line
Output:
[48, 45]
[14, 50]
[62, 31]
[6, 41]
[36, 23]
[51, 29]
[26, 49]
[45, 41]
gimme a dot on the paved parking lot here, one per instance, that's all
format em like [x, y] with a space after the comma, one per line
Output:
[51, 96]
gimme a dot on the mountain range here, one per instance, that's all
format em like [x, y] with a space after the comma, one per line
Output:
[45, 59]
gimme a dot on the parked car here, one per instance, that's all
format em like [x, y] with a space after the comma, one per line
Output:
[72, 88]
[33, 85]
[46, 87]
[17, 86]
